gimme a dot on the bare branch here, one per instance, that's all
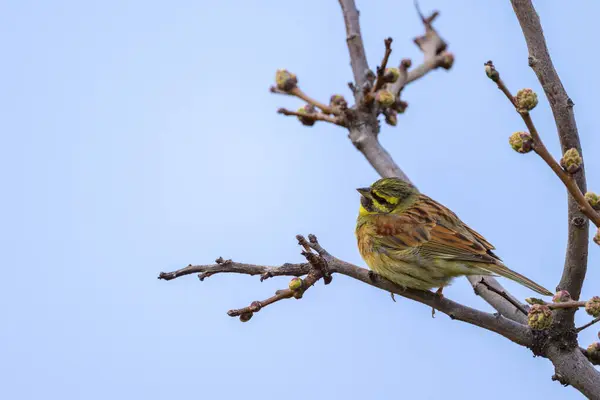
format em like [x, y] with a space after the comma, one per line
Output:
[513, 331]
[592, 322]
[358, 59]
[562, 108]
[296, 91]
[540, 148]
[505, 295]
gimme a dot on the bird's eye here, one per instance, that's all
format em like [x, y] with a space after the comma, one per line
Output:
[379, 199]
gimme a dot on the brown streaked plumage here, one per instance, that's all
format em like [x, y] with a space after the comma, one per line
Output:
[416, 242]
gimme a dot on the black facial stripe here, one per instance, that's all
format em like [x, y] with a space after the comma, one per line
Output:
[379, 199]
[366, 203]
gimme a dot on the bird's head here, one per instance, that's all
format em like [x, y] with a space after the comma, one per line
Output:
[386, 195]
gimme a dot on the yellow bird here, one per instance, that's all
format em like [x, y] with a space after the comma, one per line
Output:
[415, 242]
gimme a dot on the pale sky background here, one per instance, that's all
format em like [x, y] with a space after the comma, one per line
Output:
[140, 136]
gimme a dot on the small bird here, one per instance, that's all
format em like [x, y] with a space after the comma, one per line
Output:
[415, 242]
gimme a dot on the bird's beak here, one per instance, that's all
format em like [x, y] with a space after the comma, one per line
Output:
[364, 191]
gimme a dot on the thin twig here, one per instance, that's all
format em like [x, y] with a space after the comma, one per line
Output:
[504, 295]
[296, 91]
[313, 116]
[540, 148]
[381, 69]
[592, 322]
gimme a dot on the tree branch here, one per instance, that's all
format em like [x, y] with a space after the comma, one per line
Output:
[358, 59]
[511, 330]
[562, 109]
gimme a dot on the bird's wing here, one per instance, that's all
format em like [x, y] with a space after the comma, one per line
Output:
[433, 231]
[453, 239]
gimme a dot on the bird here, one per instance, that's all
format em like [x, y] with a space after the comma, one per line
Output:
[416, 242]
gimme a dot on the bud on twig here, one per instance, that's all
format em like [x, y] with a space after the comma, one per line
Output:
[593, 199]
[491, 72]
[526, 100]
[597, 237]
[447, 60]
[391, 116]
[385, 98]
[593, 351]
[592, 306]
[295, 284]
[521, 142]
[539, 317]
[307, 110]
[245, 317]
[338, 101]
[285, 80]
[391, 75]
[571, 161]
[534, 300]
[561, 296]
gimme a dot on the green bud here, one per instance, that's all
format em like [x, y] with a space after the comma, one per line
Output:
[385, 98]
[306, 110]
[593, 199]
[592, 306]
[571, 161]
[561, 296]
[526, 100]
[597, 237]
[539, 317]
[593, 352]
[391, 75]
[295, 284]
[285, 80]
[521, 142]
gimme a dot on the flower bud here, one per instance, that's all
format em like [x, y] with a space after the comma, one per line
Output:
[592, 306]
[391, 116]
[593, 199]
[561, 296]
[491, 72]
[298, 294]
[285, 80]
[337, 100]
[255, 306]
[385, 97]
[597, 237]
[447, 60]
[400, 106]
[571, 161]
[526, 100]
[391, 75]
[245, 317]
[295, 284]
[593, 352]
[534, 300]
[539, 317]
[521, 142]
[307, 110]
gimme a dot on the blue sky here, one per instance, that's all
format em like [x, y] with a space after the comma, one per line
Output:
[140, 136]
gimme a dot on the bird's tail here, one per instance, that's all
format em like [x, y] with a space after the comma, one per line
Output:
[506, 272]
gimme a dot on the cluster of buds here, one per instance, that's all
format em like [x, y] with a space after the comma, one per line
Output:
[521, 142]
[391, 75]
[285, 80]
[307, 109]
[539, 317]
[447, 60]
[571, 161]
[526, 100]
[592, 306]
[338, 101]
[296, 285]
[491, 72]
[400, 106]
[385, 98]
[593, 352]
[255, 306]
[562, 296]
[593, 199]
